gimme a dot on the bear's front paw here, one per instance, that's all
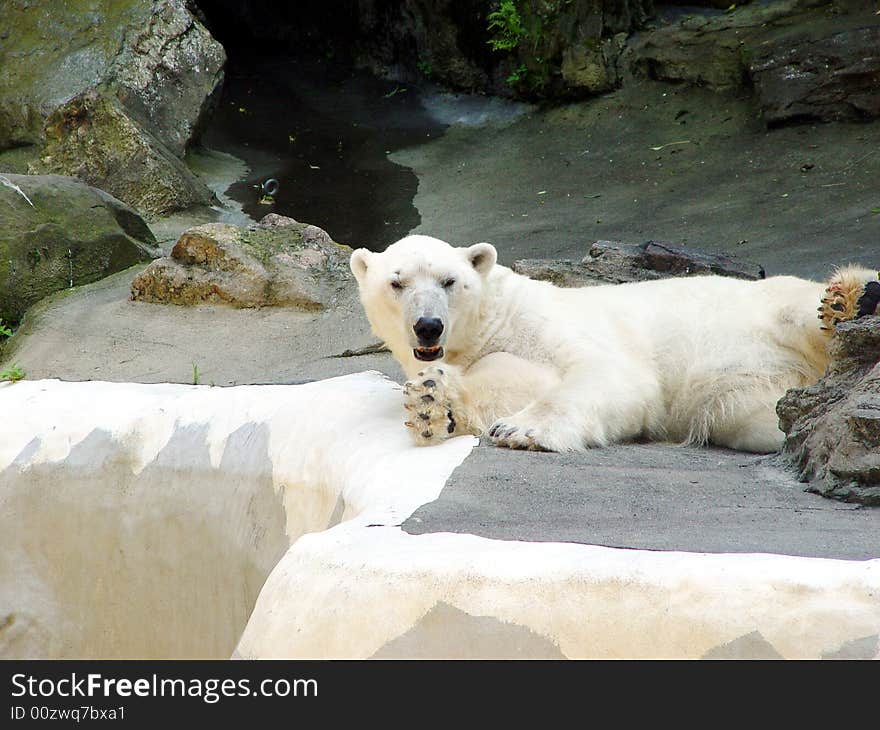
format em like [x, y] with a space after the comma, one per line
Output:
[427, 400]
[537, 430]
[507, 432]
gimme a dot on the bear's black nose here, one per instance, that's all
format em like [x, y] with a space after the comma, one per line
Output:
[428, 330]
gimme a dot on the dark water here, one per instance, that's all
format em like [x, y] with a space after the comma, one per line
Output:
[324, 133]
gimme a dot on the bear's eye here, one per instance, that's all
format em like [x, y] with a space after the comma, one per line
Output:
[395, 284]
[448, 282]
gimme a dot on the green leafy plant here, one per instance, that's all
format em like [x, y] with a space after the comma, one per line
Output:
[518, 75]
[195, 374]
[13, 374]
[4, 330]
[425, 68]
[505, 26]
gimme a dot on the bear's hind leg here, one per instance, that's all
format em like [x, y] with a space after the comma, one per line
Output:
[852, 292]
[751, 425]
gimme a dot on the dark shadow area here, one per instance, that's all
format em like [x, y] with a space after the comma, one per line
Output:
[296, 110]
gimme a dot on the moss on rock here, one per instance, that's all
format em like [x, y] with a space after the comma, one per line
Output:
[68, 234]
[92, 138]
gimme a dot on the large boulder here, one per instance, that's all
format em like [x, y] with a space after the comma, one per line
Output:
[817, 72]
[805, 59]
[116, 91]
[91, 137]
[57, 233]
[169, 73]
[278, 262]
[699, 50]
[154, 55]
[833, 427]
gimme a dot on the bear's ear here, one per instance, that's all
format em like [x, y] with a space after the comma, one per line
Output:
[482, 257]
[358, 263]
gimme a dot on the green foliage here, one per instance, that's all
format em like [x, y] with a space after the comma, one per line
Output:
[13, 373]
[528, 30]
[505, 26]
[4, 330]
[425, 68]
[518, 75]
[195, 374]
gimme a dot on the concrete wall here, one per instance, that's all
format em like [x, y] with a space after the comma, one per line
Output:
[264, 521]
[142, 520]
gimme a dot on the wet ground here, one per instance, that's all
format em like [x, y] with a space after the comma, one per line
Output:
[660, 162]
[370, 161]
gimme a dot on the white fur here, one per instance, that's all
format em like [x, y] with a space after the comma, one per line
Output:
[690, 360]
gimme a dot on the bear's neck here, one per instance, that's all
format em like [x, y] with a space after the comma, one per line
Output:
[494, 326]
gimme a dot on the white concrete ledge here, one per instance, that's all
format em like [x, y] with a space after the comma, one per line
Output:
[385, 593]
[143, 521]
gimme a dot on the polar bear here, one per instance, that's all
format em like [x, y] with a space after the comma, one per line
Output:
[699, 360]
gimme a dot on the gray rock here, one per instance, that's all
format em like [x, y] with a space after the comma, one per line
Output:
[169, 73]
[568, 48]
[822, 75]
[833, 427]
[700, 51]
[613, 262]
[69, 234]
[561, 272]
[278, 262]
[92, 138]
[594, 67]
[656, 260]
[154, 55]
[805, 59]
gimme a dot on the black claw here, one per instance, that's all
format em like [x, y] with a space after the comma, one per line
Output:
[429, 383]
[439, 371]
[427, 399]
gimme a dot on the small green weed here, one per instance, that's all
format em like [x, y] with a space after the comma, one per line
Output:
[13, 374]
[518, 75]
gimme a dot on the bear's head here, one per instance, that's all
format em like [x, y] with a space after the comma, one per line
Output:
[423, 296]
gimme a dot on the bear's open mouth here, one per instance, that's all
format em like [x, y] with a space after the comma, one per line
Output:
[428, 353]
